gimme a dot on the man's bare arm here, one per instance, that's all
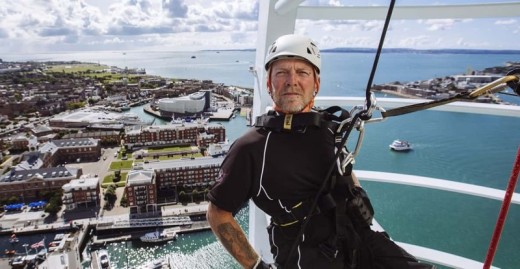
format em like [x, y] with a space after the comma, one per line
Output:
[356, 180]
[231, 235]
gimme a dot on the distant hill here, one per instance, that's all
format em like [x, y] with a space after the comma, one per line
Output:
[429, 51]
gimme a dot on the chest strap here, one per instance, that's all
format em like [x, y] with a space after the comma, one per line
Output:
[289, 122]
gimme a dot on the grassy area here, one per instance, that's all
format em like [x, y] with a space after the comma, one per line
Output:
[89, 70]
[109, 180]
[76, 68]
[121, 165]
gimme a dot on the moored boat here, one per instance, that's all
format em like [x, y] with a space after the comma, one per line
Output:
[104, 261]
[159, 236]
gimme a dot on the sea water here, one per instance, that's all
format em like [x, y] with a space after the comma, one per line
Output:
[476, 149]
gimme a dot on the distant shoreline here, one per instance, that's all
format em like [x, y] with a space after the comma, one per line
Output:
[406, 50]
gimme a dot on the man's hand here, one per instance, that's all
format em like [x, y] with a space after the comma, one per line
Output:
[262, 265]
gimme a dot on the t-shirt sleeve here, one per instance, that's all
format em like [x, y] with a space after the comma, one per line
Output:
[234, 183]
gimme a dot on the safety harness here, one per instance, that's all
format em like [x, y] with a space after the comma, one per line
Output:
[353, 211]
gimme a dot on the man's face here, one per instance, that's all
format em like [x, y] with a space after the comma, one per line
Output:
[292, 85]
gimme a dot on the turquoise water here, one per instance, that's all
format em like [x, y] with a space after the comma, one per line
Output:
[468, 148]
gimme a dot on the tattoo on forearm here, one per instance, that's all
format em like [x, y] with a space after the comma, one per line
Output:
[235, 241]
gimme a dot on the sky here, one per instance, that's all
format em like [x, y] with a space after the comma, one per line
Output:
[43, 26]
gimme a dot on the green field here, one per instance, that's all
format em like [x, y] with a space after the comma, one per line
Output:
[92, 70]
[77, 68]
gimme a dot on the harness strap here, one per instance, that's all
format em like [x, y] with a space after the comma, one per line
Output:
[289, 122]
[300, 211]
[301, 121]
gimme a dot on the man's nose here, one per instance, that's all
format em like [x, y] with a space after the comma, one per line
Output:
[291, 78]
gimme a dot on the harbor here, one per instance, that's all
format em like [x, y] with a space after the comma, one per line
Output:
[84, 237]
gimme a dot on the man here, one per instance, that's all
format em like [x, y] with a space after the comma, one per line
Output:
[281, 165]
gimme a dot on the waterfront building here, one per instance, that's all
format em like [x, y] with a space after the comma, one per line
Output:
[140, 191]
[168, 179]
[193, 104]
[29, 185]
[175, 134]
[105, 137]
[82, 191]
[84, 118]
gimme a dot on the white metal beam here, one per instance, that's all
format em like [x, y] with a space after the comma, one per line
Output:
[435, 183]
[487, 10]
[387, 103]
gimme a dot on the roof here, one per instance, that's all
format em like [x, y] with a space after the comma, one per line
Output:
[184, 163]
[140, 177]
[50, 173]
[81, 183]
[54, 145]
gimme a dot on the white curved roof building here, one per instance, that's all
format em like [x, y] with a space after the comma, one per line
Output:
[193, 103]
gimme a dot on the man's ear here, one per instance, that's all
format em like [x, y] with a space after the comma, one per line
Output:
[317, 85]
[268, 84]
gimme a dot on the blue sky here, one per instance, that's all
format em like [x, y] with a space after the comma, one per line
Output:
[40, 26]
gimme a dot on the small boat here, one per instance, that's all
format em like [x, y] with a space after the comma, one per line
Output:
[13, 239]
[400, 145]
[157, 237]
[104, 261]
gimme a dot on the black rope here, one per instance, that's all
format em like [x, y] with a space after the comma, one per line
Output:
[421, 106]
[348, 130]
[368, 98]
[509, 94]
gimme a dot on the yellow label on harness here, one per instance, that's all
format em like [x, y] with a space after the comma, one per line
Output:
[287, 122]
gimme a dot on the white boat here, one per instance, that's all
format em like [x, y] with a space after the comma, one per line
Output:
[159, 236]
[278, 17]
[103, 259]
[400, 145]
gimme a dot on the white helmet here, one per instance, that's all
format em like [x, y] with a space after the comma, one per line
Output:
[290, 46]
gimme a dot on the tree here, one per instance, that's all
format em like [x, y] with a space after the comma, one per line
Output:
[110, 196]
[182, 197]
[124, 201]
[55, 202]
[52, 208]
[195, 192]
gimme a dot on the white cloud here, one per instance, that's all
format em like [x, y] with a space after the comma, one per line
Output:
[415, 41]
[439, 24]
[506, 22]
[36, 25]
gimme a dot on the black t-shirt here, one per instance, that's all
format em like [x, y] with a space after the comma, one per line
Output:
[289, 166]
